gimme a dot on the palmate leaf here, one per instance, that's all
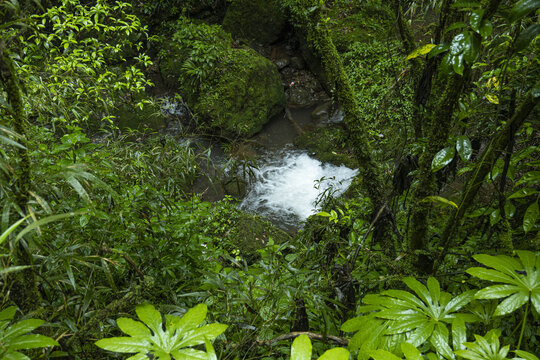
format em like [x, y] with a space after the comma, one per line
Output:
[521, 277]
[416, 317]
[175, 340]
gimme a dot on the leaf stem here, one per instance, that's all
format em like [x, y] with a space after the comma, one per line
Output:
[523, 324]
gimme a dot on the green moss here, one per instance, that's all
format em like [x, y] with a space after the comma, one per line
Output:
[258, 20]
[251, 233]
[327, 145]
[233, 90]
[366, 22]
[245, 94]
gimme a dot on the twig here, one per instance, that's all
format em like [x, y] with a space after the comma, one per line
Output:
[127, 258]
[359, 247]
[294, 334]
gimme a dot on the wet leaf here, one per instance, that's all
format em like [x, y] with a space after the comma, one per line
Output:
[464, 147]
[492, 98]
[522, 8]
[423, 50]
[530, 217]
[443, 158]
[526, 36]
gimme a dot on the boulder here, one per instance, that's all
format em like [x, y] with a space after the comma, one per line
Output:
[232, 89]
[261, 21]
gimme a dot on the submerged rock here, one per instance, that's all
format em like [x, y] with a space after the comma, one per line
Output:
[261, 21]
[232, 89]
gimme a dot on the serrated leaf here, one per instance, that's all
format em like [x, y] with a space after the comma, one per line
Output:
[443, 158]
[423, 50]
[301, 348]
[530, 217]
[124, 344]
[522, 8]
[335, 354]
[464, 147]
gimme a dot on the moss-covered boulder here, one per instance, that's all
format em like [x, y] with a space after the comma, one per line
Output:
[328, 144]
[232, 89]
[261, 21]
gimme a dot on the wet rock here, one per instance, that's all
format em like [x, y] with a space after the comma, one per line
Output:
[298, 63]
[241, 91]
[321, 112]
[261, 21]
[300, 96]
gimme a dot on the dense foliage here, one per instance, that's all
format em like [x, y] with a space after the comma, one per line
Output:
[433, 253]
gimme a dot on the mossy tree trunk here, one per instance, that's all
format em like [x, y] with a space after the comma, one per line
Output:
[308, 18]
[439, 124]
[495, 149]
[24, 290]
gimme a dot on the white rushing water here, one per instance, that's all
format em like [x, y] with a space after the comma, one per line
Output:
[289, 183]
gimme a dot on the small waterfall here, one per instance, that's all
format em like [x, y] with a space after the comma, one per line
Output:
[288, 184]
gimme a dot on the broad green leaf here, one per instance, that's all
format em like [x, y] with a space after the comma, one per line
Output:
[423, 50]
[441, 200]
[526, 355]
[459, 333]
[509, 209]
[486, 28]
[464, 147]
[124, 344]
[411, 352]
[530, 177]
[21, 328]
[526, 36]
[139, 356]
[406, 296]
[421, 334]
[502, 263]
[535, 299]
[190, 320]
[31, 341]
[497, 291]
[434, 289]
[210, 350]
[353, 324]
[301, 348]
[133, 327]
[189, 354]
[528, 259]
[14, 355]
[419, 289]
[150, 316]
[439, 340]
[459, 301]
[443, 158]
[8, 313]
[490, 275]
[199, 335]
[476, 19]
[494, 217]
[522, 8]
[511, 303]
[383, 355]
[530, 217]
[43, 221]
[523, 193]
[406, 325]
[335, 354]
